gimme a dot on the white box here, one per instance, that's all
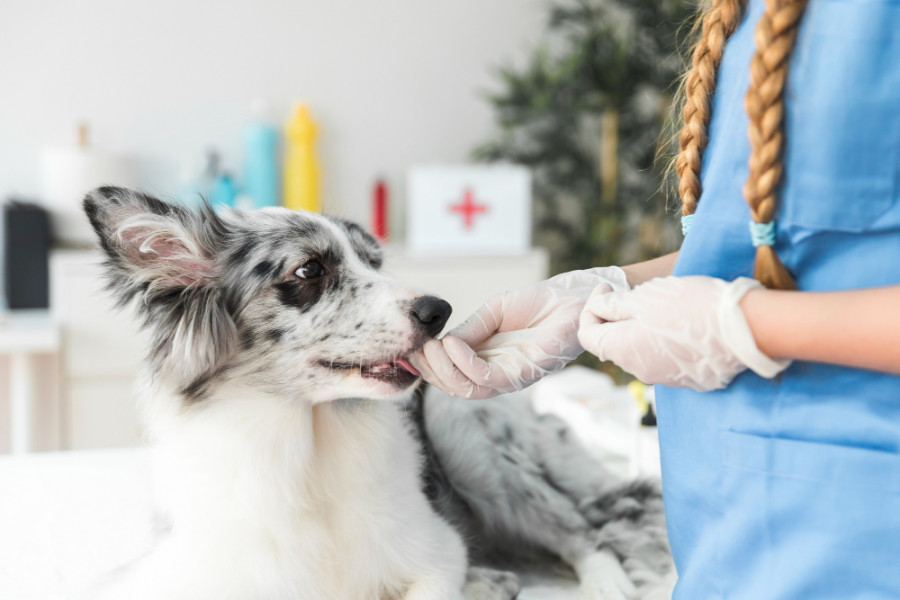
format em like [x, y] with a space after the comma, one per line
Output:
[469, 209]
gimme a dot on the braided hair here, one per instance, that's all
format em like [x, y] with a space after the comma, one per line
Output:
[775, 35]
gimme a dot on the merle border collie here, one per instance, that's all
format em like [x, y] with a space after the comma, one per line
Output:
[295, 459]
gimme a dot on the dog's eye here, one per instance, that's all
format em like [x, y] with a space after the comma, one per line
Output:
[310, 270]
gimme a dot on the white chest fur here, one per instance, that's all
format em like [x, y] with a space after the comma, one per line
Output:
[272, 498]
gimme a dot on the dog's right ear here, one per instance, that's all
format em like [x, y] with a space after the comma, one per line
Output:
[152, 245]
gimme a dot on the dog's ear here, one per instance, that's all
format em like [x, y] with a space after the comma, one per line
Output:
[166, 256]
[153, 244]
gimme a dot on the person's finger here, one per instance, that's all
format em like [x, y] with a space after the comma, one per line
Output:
[436, 359]
[611, 306]
[475, 368]
[600, 289]
[420, 362]
[588, 322]
[483, 323]
[608, 340]
[587, 326]
[518, 372]
[452, 380]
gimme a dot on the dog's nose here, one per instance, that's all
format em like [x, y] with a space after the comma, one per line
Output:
[431, 313]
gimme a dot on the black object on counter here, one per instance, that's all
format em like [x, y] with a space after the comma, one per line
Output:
[649, 418]
[26, 255]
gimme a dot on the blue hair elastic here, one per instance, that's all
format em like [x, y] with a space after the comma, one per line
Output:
[686, 222]
[762, 234]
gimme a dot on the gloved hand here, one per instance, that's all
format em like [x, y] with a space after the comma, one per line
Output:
[679, 331]
[516, 337]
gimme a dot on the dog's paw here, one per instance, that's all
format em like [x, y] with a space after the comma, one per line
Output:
[602, 577]
[490, 584]
[641, 574]
[662, 589]
[605, 591]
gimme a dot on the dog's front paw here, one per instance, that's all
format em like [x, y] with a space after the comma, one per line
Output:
[602, 577]
[662, 589]
[605, 590]
[490, 584]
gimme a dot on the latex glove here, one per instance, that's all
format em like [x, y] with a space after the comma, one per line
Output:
[679, 331]
[516, 337]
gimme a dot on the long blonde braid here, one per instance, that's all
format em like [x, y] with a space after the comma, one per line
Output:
[719, 23]
[776, 33]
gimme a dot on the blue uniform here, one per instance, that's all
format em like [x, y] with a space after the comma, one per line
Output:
[790, 488]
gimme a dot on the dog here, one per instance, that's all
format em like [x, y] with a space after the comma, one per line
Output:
[294, 457]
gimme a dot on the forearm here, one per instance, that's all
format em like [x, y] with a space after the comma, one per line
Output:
[661, 266]
[858, 328]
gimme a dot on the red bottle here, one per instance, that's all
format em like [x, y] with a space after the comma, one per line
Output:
[380, 210]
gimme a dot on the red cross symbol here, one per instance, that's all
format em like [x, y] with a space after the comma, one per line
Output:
[468, 208]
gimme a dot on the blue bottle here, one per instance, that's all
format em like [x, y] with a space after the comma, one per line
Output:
[199, 186]
[260, 159]
[224, 191]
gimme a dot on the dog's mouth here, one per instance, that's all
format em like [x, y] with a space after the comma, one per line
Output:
[398, 372]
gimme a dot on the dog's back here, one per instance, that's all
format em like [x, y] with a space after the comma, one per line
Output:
[523, 491]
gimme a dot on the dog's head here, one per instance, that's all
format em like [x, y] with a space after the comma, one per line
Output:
[287, 301]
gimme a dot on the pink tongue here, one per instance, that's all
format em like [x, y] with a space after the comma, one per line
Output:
[405, 364]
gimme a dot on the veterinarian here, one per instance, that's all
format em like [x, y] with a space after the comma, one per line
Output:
[779, 410]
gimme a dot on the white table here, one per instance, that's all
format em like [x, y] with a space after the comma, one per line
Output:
[25, 334]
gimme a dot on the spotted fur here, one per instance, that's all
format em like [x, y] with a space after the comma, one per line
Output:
[522, 490]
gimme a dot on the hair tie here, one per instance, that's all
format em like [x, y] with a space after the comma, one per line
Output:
[762, 234]
[686, 222]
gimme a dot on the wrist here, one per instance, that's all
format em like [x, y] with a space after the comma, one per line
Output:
[738, 333]
[578, 285]
[638, 273]
[616, 277]
[756, 305]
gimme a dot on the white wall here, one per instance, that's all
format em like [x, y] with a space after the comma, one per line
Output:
[392, 82]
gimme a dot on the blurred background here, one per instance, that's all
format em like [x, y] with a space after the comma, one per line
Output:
[389, 83]
[487, 143]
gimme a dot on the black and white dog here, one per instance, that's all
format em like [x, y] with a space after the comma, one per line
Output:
[294, 460]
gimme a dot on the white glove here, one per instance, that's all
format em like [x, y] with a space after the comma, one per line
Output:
[516, 337]
[680, 331]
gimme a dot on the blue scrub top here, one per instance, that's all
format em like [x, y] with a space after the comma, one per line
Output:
[790, 488]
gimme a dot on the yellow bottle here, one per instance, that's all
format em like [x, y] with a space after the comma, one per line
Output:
[301, 167]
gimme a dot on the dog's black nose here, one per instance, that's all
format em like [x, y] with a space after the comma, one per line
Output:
[432, 313]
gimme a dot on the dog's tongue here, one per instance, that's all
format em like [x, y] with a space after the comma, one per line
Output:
[402, 362]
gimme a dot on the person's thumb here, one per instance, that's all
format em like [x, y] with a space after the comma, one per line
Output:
[611, 306]
[482, 324]
[603, 339]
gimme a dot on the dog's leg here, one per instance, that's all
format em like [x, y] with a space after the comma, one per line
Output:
[641, 574]
[662, 590]
[490, 584]
[603, 577]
